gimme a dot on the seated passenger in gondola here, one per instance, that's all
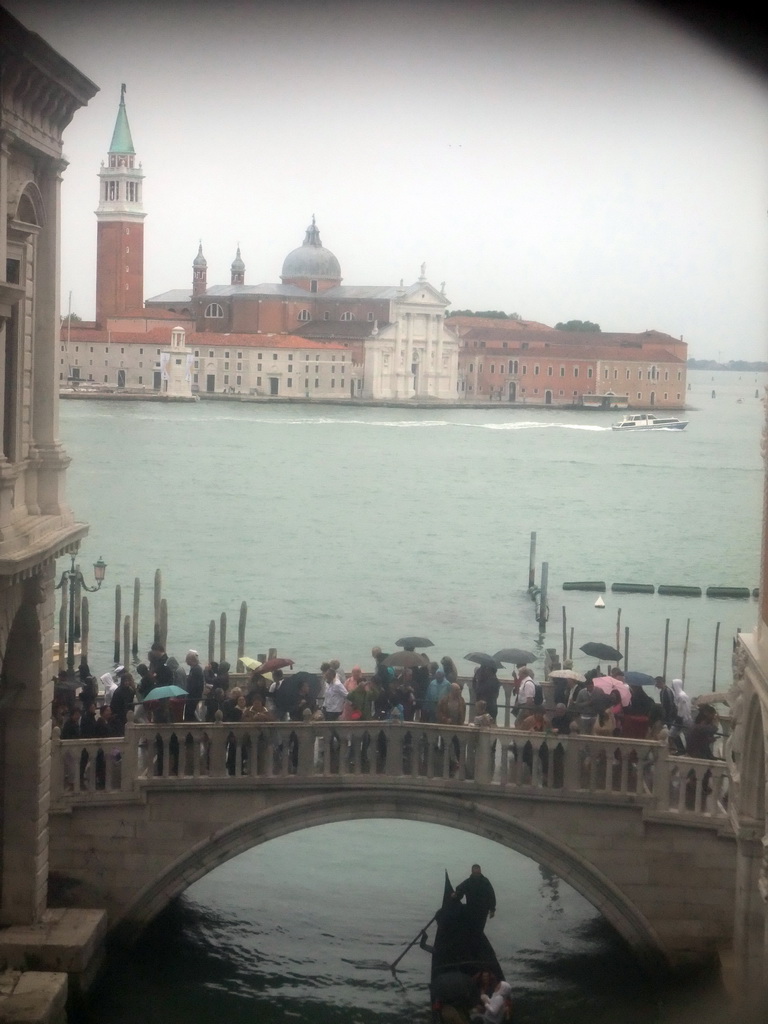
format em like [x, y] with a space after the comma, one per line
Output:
[497, 1008]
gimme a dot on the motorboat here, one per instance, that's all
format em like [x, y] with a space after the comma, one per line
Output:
[645, 421]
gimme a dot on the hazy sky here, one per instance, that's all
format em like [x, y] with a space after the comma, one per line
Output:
[583, 160]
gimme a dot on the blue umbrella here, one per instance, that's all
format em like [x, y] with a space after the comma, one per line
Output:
[160, 692]
[639, 679]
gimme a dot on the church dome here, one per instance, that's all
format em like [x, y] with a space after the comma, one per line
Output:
[311, 260]
[237, 263]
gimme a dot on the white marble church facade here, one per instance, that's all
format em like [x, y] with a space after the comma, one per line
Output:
[414, 356]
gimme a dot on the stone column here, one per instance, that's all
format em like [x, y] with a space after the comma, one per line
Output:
[45, 448]
[408, 390]
[26, 742]
[749, 938]
[440, 389]
[396, 379]
[428, 376]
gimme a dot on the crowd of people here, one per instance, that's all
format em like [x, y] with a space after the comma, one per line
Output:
[418, 690]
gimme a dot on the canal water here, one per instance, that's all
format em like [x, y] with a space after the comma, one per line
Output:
[347, 527]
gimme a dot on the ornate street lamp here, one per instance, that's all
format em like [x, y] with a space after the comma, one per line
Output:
[73, 578]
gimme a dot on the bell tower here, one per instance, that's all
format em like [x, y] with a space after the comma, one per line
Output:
[120, 233]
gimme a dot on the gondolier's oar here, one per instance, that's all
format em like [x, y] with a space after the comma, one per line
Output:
[413, 942]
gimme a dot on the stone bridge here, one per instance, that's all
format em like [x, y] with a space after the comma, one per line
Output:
[643, 835]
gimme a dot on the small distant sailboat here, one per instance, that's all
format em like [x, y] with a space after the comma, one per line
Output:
[599, 603]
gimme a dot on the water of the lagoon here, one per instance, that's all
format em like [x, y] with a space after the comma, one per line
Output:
[346, 527]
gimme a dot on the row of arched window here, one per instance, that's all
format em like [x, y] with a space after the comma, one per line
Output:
[213, 311]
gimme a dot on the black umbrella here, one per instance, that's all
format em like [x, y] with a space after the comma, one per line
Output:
[413, 641]
[480, 658]
[601, 651]
[406, 659]
[515, 656]
[287, 693]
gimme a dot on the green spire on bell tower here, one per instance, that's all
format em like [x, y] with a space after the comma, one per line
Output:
[121, 137]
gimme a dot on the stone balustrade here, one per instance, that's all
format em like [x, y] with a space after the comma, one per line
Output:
[266, 754]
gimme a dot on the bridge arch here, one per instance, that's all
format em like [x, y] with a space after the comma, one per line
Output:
[465, 814]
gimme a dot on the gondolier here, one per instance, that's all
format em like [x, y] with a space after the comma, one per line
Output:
[481, 899]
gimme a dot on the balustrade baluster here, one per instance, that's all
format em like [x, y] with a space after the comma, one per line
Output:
[218, 750]
[129, 760]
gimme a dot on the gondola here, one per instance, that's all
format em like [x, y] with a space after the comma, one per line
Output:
[460, 952]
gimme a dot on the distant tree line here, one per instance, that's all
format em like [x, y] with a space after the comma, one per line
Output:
[577, 325]
[491, 314]
[742, 365]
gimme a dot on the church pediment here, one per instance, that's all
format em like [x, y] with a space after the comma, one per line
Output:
[422, 293]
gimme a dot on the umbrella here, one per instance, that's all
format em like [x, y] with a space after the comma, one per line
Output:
[160, 692]
[272, 663]
[250, 662]
[482, 659]
[608, 683]
[601, 651]
[567, 673]
[288, 692]
[406, 659]
[515, 656]
[639, 679]
[413, 641]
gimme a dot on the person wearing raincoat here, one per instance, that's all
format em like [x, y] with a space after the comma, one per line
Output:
[437, 689]
[683, 722]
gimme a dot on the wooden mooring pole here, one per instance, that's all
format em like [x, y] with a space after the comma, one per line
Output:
[714, 668]
[666, 650]
[163, 621]
[212, 641]
[223, 638]
[158, 590]
[618, 630]
[565, 635]
[626, 648]
[532, 563]
[685, 650]
[126, 636]
[570, 645]
[118, 618]
[543, 611]
[241, 634]
[135, 639]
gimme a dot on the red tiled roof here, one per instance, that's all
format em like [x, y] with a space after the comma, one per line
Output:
[461, 324]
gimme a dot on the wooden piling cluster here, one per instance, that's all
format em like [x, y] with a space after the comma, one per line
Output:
[539, 596]
[126, 627]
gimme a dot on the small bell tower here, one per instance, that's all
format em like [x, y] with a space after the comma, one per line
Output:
[199, 272]
[120, 232]
[237, 270]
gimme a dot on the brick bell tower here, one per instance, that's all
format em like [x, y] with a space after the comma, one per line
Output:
[120, 216]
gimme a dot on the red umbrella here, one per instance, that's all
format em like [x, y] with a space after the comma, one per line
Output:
[608, 683]
[272, 663]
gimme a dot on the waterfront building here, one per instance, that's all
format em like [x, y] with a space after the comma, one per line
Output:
[308, 336]
[248, 364]
[514, 361]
